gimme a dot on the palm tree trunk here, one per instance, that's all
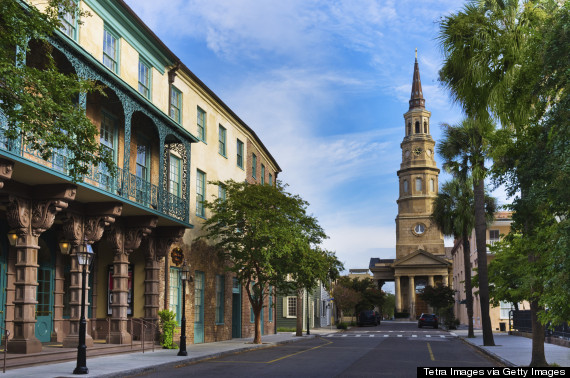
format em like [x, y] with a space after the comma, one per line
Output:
[481, 236]
[468, 287]
[538, 358]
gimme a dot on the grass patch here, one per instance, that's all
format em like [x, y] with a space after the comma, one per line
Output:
[286, 329]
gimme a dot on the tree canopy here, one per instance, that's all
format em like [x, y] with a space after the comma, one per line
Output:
[268, 239]
[41, 105]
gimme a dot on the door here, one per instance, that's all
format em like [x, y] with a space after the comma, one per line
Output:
[199, 307]
[236, 309]
[44, 292]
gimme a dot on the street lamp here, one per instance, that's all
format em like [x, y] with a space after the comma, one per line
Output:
[64, 247]
[308, 313]
[84, 258]
[12, 238]
[184, 276]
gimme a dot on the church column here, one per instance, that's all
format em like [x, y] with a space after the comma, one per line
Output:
[412, 287]
[398, 294]
[30, 218]
[445, 279]
[124, 239]
[430, 281]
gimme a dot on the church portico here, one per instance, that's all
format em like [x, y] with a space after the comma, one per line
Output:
[420, 253]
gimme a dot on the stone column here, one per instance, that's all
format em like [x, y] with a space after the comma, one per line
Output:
[30, 218]
[412, 287]
[445, 280]
[156, 247]
[125, 237]
[398, 294]
[430, 281]
[79, 228]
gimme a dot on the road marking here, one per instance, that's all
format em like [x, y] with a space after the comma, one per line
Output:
[386, 335]
[453, 334]
[430, 352]
[442, 336]
[302, 351]
[414, 335]
[374, 335]
[344, 335]
[358, 335]
[331, 335]
[399, 335]
[428, 335]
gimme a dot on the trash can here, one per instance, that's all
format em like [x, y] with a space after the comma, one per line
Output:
[503, 327]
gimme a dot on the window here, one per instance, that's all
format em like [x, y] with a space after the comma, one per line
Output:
[220, 299]
[409, 128]
[174, 293]
[253, 166]
[175, 104]
[174, 176]
[418, 184]
[425, 127]
[432, 185]
[270, 309]
[505, 308]
[418, 127]
[262, 174]
[291, 307]
[221, 140]
[405, 186]
[240, 153]
[201, 124]
[200, 193]
[142, 169]
[419, 228]
[221, 192]
[69, 21]
[107, 138]
[270, 179]
[493, 237]
[144, 79]
[110, 51]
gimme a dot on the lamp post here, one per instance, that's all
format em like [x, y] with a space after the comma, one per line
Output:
[308, 313]
[184, 276]
[84, 257]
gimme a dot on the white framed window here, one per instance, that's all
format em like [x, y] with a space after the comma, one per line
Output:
[494, 237]
[144, 79]
[406, 186]
[111, 50]
[432, 185]
[505, 308]
[200, 193]
[69, 21]
[418, 184]
[289, 307]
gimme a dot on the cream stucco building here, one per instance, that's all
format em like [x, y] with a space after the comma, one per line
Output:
[420, 253]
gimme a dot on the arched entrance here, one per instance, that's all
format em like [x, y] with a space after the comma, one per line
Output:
[44, 294]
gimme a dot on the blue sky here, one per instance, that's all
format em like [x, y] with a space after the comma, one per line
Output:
[324, 84]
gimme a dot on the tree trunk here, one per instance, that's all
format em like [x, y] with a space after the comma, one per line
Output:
[257, 313]
[299, 329]
[468, 288]
[481, 236]
[538, 358]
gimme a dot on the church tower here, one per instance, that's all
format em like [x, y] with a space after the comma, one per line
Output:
[418, 178]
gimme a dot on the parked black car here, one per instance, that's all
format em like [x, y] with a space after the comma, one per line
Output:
[367, 317]
[428, 320]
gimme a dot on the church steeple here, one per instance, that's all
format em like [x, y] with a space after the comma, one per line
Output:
[417, 100]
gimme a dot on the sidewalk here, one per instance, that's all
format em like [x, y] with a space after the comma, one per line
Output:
[516, 350]
[121, 365]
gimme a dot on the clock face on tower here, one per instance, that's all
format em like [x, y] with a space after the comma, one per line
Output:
[418, 151]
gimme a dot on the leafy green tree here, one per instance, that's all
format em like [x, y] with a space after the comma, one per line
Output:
[345, 299]
[453, 215]
[267, 237]
[440, 297]
[38, 101]
[370, 296]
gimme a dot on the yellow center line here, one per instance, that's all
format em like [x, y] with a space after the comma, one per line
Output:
[430, 352]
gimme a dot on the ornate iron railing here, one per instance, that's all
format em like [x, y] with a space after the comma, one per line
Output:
[124, 184]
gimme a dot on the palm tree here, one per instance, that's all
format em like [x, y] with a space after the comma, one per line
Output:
[453, 215]
[464, 149]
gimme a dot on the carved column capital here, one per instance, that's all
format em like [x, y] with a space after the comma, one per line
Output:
[165, 237]
[19, 214]
[6, 169]
[137, 228]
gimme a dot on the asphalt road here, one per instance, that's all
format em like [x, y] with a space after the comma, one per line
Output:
[391, 349]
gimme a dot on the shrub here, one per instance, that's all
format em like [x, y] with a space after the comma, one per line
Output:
[401, 314]
[286, 329]
[342, 326]
[167, 326]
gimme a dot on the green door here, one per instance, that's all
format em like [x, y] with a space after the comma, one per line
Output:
[44, 293]
[236, 309]
[198, 307]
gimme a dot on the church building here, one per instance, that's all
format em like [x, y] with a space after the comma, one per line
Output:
[420, 253]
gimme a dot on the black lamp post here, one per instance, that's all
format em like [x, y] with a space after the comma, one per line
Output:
[84, 258]
[308, 314]
[184, 276]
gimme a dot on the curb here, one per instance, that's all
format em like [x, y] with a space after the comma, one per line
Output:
[490, 354]
[194, 360]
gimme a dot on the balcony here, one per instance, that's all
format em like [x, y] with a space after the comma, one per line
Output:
[124, 185]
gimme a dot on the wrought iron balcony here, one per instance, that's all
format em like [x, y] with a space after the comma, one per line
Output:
[124, 184]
